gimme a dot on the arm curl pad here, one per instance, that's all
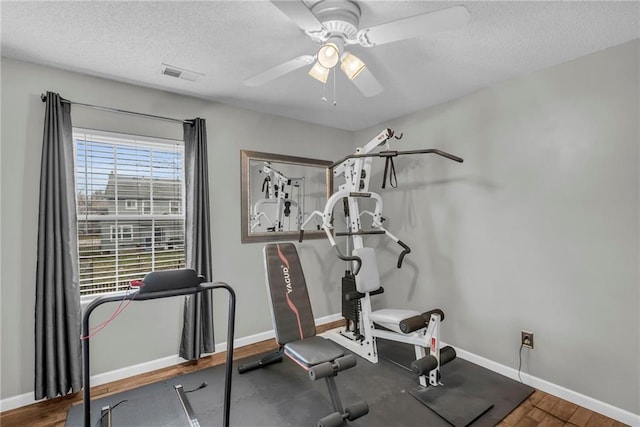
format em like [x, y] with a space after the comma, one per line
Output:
[420, 321]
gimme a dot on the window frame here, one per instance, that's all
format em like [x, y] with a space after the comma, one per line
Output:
[126, 231]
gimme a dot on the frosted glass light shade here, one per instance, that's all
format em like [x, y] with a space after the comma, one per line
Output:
[329, 53]
[352, 65]
[319, 72]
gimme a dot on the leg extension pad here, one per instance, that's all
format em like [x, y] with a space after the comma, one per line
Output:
[351, 413]
[428, 363]
[331, 368]
[357, 410]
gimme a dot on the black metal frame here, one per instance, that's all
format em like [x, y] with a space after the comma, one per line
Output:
[136, 296]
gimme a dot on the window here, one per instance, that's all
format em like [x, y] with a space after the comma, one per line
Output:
[159, 234]
[115, 175]
[146, 207]
[121, 232]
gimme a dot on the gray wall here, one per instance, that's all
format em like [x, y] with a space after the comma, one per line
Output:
[150, 330]
[536, 230]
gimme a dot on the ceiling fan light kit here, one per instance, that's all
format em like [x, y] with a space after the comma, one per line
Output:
[334, 24]
[319, 73]
[329, 53]
[351, 65]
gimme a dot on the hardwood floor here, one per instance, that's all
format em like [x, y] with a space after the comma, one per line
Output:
[544, 410]
[539, 410]
[54, 412]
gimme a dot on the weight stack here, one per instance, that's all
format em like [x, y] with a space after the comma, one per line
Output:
[350, 309]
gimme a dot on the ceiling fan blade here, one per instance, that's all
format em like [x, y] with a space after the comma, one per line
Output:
[414, 26]
[299, 13]
[279, 70]
[367, 83]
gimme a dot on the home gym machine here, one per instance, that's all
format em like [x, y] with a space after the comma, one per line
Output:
[361, 281]
[160, 284]
[278, 191]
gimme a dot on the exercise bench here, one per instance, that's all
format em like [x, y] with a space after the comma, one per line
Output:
[296, 332]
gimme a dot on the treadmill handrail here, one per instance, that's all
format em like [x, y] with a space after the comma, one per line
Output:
[137, 296]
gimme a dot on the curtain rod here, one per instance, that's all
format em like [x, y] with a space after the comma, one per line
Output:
[43, 97]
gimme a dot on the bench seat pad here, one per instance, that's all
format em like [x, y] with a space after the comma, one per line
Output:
[313, 351]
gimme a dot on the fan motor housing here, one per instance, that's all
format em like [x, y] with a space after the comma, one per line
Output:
[339, 17]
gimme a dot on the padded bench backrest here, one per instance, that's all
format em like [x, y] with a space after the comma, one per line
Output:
[290, 306]
[367, 279]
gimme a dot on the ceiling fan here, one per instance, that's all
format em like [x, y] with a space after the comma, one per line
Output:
[334, 25]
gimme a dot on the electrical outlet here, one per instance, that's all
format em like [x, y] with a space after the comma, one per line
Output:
[527, 339]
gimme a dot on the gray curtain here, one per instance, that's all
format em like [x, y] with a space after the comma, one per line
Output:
[58, 366]
[197, 329]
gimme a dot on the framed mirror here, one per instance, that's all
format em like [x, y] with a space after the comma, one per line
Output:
[278, 193]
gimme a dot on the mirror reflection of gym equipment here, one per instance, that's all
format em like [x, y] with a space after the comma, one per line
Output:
[278, 192]
[282, 207]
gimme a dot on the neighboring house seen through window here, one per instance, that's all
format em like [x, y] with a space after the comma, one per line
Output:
[122, 232]
[130, 193]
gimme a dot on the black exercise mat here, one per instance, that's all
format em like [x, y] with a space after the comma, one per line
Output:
[476, 385]
[283, 395]
[155, 404]
[457, 407]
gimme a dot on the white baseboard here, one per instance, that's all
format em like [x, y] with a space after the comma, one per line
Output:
[18, 401]
[579, 399]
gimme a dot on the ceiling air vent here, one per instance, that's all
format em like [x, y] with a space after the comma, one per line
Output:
[180, 73]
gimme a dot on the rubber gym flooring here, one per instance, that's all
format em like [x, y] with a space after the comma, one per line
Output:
[283, 395]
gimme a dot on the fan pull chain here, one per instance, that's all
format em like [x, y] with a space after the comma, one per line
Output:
[334, 88]
[324, 98]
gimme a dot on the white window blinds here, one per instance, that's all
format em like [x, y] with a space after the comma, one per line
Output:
[130, 206]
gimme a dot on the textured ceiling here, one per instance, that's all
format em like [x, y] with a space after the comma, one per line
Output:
[229, 41]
